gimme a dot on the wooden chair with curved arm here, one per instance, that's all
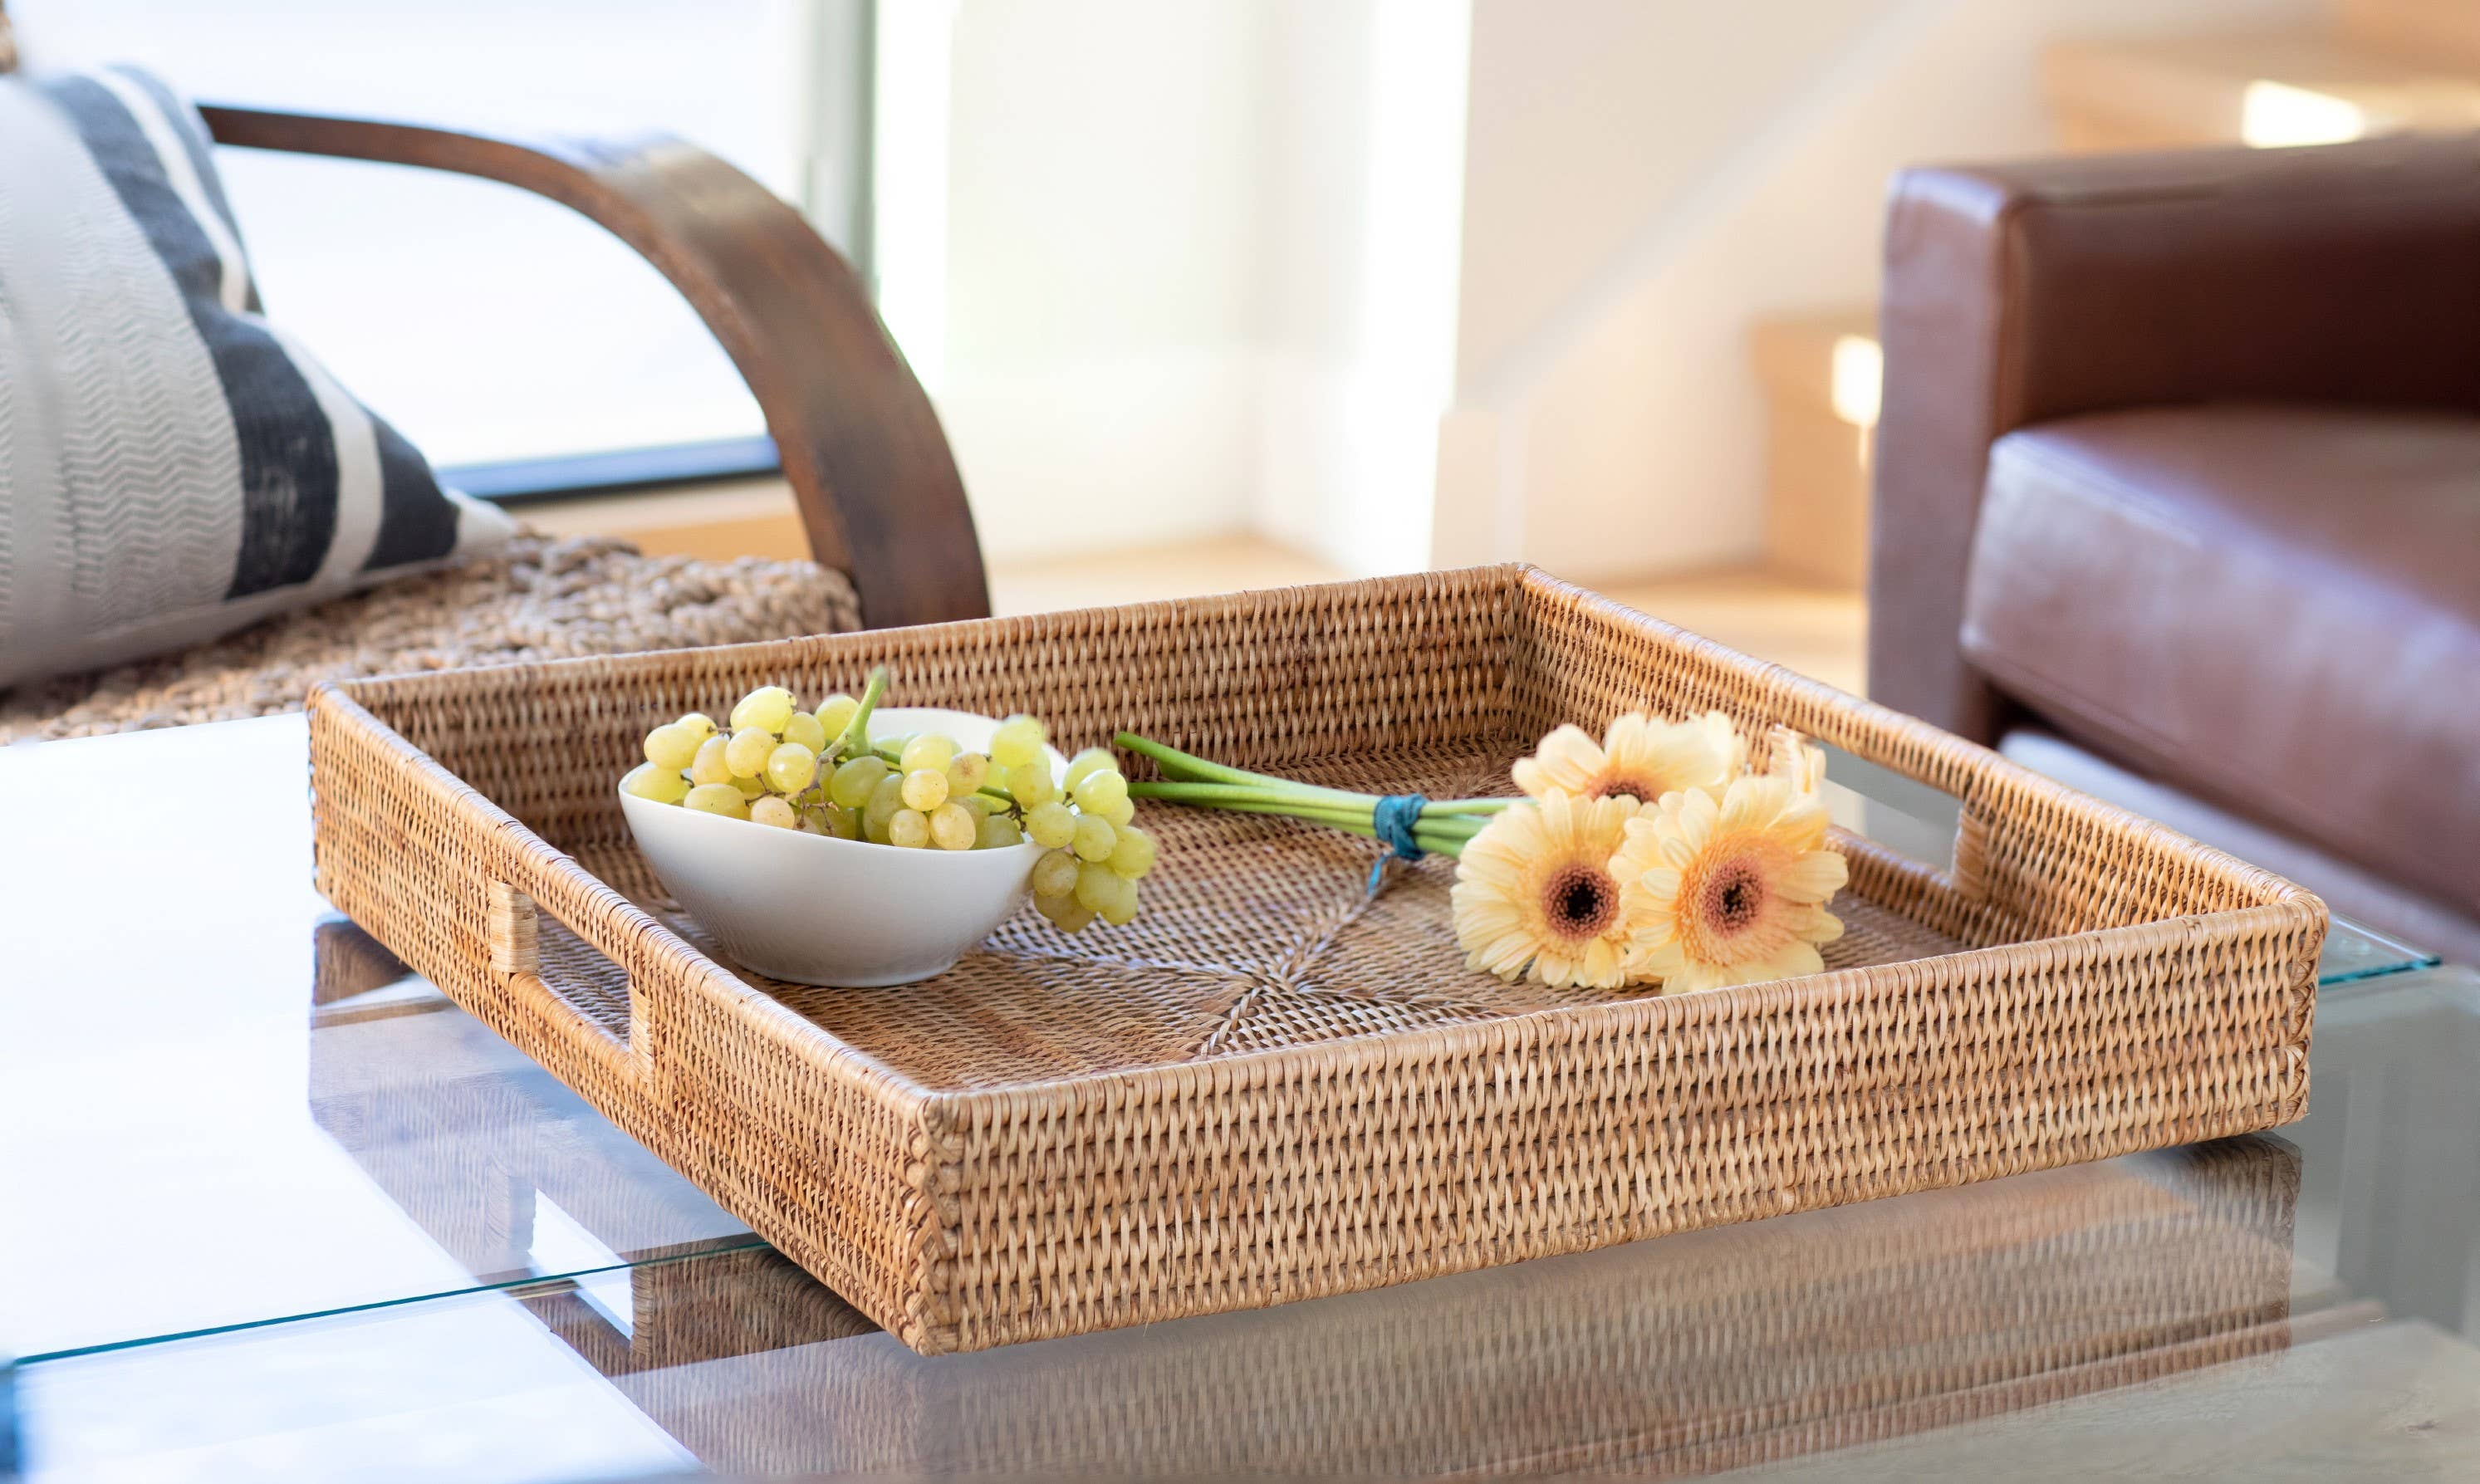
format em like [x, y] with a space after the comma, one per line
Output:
[877, 487]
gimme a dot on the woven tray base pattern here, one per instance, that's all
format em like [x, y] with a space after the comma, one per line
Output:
[1258, 933]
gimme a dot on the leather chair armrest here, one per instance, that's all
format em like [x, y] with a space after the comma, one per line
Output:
[2022, 293]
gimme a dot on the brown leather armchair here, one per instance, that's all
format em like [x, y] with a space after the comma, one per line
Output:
[2178, 497]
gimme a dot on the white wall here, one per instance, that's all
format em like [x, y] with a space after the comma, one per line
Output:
[1193, 266]
[1592, 119]
[1362, 201]
[1412, 282]
[1608, 421]
[1096, 364]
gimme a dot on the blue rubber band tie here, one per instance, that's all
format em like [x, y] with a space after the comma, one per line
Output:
[1392, 819]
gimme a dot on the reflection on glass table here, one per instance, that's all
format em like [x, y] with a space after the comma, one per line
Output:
[1691, 1353]
[2314, 1287]
[476, 1169]
[192, 1142]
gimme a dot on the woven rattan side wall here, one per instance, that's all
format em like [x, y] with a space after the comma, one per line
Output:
[1260, 678]
[413, 855]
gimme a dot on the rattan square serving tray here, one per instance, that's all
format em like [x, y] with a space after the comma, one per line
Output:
[1273, 1085]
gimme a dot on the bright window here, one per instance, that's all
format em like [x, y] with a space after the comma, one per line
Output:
[489, 324]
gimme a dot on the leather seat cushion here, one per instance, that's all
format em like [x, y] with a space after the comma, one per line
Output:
[2276, 608]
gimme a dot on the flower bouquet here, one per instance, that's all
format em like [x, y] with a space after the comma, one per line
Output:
[1657, 856]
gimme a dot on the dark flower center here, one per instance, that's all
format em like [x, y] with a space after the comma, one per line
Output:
[1580, 902]
[1611, 785]
[1734, 895]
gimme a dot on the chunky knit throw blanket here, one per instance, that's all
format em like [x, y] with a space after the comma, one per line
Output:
[536, 598]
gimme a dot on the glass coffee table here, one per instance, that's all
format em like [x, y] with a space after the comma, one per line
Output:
[275, 1209]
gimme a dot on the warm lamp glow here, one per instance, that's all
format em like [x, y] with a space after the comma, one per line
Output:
[1859, 368]
[2272, 115]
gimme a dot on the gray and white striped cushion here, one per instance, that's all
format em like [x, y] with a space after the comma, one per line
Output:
[172, 467]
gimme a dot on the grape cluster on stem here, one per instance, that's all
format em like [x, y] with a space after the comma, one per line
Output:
[822, 773]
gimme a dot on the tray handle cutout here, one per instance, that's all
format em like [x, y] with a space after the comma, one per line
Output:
[537, 988]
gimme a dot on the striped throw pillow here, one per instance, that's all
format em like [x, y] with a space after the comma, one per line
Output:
[172, 467]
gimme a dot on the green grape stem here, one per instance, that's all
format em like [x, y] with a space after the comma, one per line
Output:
[855, 737]
[1444, 827]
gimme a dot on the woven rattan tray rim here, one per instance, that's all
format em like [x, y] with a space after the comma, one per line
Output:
[1867, 729]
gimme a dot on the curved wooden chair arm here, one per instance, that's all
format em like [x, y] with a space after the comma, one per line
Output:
[861, 449]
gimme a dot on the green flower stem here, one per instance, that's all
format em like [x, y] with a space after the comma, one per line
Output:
[1272, 799]
[1436, 843]
[1180, 792]
[1174, 761]
[1443, 829]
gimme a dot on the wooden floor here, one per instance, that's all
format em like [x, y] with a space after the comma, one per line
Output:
[1821, 632]
[1225, 564]
[1816, 630]
[1813, 630]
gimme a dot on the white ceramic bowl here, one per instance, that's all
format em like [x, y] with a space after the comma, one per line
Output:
[817, 911]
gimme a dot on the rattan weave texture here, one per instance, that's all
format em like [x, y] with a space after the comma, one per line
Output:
[1272, 1087]
[540, 599]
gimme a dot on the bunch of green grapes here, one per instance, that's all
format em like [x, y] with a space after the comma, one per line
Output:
[763, 767]
[820, 772]
[1092, 852]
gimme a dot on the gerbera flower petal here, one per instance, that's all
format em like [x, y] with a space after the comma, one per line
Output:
[1815, 877]
[1687, 976]
[1751, 800]
[1536, 886]
[1724, 739]
[1732, 891]
[1801, 959]
[1637, 759]
[1568, 762]
[1791, 757]
[1696, 815]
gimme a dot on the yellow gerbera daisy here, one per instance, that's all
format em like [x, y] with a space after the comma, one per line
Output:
[1795, 759]
[1536, 886]
[1638, 758]
[1734, 892]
